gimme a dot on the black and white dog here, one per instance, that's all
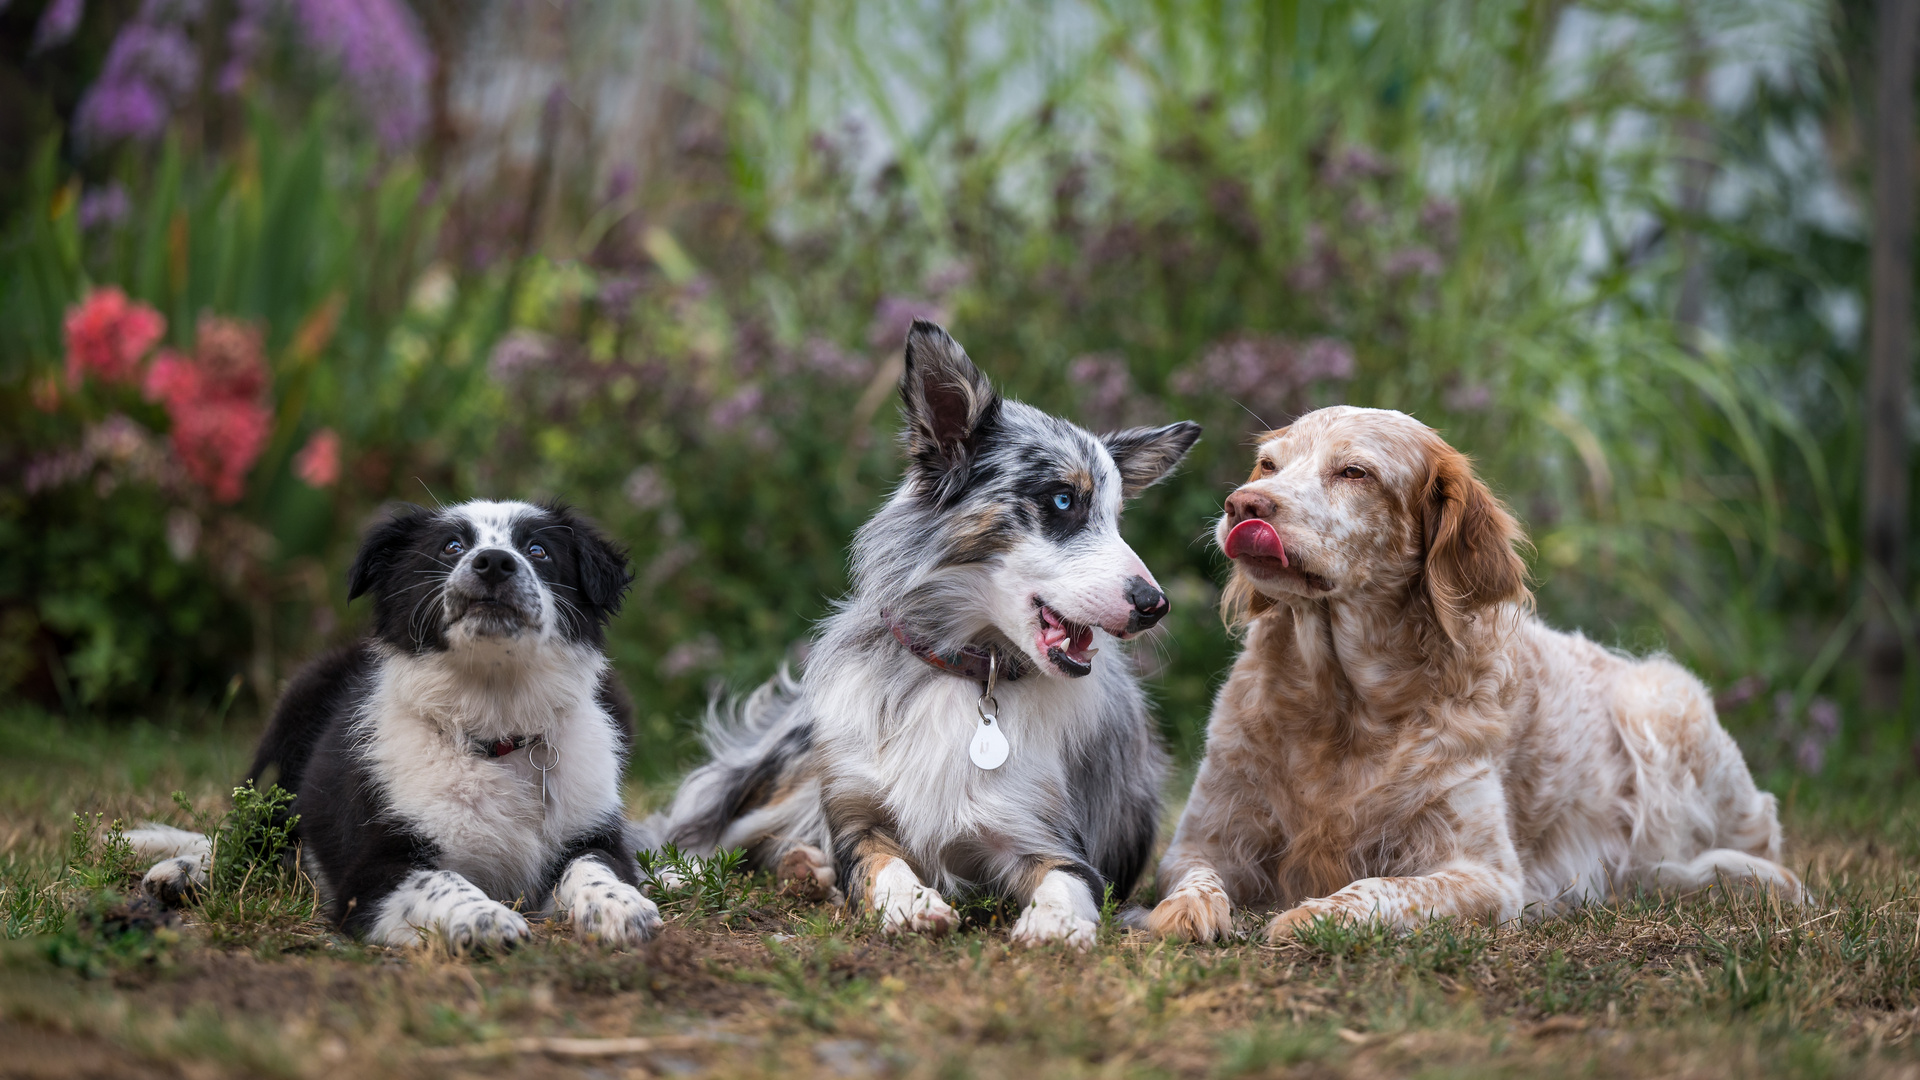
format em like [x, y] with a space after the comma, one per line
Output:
[468, 754]
[954, 732]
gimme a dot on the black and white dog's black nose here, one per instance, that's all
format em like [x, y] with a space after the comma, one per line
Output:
[495, 565]
[1149, 604]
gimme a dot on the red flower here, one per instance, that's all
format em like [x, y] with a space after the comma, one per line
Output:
[108, 334]
[318, 463]
[215, 400]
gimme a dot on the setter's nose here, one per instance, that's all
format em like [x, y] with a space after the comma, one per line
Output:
[1243, 505]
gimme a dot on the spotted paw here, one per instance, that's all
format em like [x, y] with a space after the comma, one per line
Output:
[441, 905]
[603, 908]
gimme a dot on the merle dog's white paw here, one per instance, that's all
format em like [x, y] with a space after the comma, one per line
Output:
[1062, 911]
[602, 907]
[441, 904]
[903, 903]
[175, 881]
[1045, 925]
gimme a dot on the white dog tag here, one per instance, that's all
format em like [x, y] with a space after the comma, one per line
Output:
[989, 747]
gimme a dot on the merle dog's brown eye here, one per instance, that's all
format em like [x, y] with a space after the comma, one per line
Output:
[1354, 472]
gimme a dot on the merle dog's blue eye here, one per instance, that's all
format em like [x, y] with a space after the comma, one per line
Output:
[1063, 501]
[538, 551]
[454, 547]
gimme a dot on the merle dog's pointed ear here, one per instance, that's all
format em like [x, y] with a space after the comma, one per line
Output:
[604, 575]
[949, 404]
[1147, 455]
[382, 542]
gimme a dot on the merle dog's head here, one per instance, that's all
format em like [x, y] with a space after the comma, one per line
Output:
[1008, 518]
[489, 571]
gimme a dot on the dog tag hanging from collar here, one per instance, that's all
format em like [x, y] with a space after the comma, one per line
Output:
[989, 747]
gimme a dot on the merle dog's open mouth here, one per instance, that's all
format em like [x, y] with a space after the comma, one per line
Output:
[1065, 642]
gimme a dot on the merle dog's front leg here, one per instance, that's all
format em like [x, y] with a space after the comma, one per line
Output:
[878, 877]
[599, 890]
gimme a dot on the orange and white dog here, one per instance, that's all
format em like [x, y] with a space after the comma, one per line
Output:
[1403, 740]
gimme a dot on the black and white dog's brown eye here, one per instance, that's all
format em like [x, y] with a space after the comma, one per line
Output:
[1354, 472]
[454, 547]
[538, 551]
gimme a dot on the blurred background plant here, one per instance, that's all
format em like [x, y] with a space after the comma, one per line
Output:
[271, 265]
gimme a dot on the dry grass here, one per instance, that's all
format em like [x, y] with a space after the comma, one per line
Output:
[1711, 986]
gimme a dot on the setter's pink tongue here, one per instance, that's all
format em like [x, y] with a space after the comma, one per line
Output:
[1257, 538]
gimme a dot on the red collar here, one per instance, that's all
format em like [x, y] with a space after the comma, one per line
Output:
[499, 748]
[969, 661]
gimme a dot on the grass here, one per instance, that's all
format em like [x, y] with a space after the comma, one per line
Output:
[748, 982]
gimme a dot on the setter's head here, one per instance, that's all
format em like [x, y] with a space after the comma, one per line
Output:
[1364, 505]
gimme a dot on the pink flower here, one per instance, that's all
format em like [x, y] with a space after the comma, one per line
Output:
[218, 441]
[318, 463]
[215, 399]
[107, 335]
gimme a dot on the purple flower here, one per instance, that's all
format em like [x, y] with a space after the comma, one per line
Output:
[381, 54]
[1810, 754]
[104, 206]
[1470, 398]
[1823, 716]
[517, 355]
[647, 489]
[1106, 388]
[57, 24]
[1264, 372]
[149, 68]
[617, 293]
[120, 110]
[823, 357]
[731, 411]
[1413, 261]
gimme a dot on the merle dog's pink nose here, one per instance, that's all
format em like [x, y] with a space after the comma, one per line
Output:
[495, 565]
[1246, 505]
[1149, 604]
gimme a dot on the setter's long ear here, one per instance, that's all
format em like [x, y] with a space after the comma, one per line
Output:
[1470, 561]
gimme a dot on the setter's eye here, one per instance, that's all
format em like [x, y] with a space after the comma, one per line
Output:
[1354, 472]
[1266, 467]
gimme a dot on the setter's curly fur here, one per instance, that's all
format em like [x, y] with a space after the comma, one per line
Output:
[1402, 739]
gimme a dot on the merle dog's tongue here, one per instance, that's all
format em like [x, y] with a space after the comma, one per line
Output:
[1256, 538]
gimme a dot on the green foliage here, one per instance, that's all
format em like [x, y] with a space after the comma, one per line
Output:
[715, 887]
[1428, 207]
[256, 895]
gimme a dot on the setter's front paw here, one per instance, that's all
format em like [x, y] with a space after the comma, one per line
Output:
[1198, 910]
[1290, 922]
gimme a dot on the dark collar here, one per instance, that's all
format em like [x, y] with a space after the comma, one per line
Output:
[498, 748]
[969, 661]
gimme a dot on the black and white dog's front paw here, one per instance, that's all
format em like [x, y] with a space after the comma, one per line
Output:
[602, 907]
[176, 881]
[441, 904]
[181, 871]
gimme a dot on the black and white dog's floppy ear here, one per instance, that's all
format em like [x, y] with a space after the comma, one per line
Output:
[1146, 455]
[949, 403]
[382, 543]
[602, 564]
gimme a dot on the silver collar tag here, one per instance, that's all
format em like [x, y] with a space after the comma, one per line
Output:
[989, 747]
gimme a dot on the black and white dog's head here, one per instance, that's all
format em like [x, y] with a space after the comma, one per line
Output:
[489, 572]
[1008, 519]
